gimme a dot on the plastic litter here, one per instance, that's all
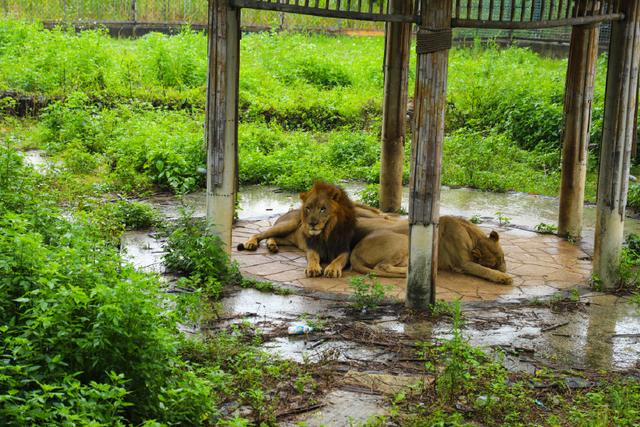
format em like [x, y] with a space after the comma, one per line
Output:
[299, 328]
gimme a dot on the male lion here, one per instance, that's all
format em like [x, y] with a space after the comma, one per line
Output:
[462, 247]
[323, 228]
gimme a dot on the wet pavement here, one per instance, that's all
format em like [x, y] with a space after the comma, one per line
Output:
[539, 264]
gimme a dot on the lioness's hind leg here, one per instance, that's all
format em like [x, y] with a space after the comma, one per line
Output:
[394, 269]
[272, 245]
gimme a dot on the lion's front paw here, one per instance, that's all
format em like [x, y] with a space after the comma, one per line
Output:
[333, 271]
[313, 271]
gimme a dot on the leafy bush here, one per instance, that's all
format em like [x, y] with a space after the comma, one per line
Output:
[86, 339]
[629, 268]
[140, 145]
[192, 250]
[370, 195]
[293, 160]
[112, 219]
[633, 196]
[368, 292]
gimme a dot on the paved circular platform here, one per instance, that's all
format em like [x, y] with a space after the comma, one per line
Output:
[540, 266]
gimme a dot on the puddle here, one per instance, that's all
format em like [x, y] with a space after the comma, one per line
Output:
[342, 408]
[143, 250]
[258, 202]
[37, 159]
[602, 335]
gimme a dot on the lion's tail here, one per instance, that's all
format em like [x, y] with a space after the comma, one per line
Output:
[359, 266]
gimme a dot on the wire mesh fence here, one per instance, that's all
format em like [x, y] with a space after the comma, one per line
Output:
[195, 12]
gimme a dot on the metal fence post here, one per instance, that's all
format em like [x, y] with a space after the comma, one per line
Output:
[134, 16]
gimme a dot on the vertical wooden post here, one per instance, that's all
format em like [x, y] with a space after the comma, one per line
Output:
[394, 108]
[578, 99]
[134, 12]
[221, 123]
[432, 47]
[617, 135]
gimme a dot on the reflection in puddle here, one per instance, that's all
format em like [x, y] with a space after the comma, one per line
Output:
[603, 335]
[257, 202]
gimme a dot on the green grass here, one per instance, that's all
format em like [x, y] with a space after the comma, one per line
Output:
[131, 111]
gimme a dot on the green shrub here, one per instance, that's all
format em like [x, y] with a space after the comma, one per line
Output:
[493, 162]
[139, 145]
[116, 217]
[86, 339]
[370, 195]
[368, 292]
[633, 196]
[193, 251]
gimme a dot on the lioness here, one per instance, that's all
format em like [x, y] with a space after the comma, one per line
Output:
[462, 247]
[323, 228]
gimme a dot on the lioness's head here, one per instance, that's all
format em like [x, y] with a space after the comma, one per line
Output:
[488, 253]
[323, 207]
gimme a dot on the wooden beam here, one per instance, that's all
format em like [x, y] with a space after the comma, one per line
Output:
[372, 15]
[617, 134]
[526, 25]
[394, 108]
[221, 120]
[578, 100]
[426, 154]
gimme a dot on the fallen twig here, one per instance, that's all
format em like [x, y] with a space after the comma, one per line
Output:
[552, 327]
[300, 410]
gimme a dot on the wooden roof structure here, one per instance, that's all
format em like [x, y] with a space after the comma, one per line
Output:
[434, 20]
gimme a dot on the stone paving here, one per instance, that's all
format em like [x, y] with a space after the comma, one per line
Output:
[540, 265]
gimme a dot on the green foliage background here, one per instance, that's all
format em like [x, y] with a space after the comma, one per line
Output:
[131, 111]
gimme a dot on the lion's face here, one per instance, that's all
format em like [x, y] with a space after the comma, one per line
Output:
[324, 208]
[317, 212]
[488, 253]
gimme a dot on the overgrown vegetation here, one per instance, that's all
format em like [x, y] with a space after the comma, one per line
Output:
[88, 340]
[85, 338]
[131, 112]
[629, 269]
[368, 292]
[467, 387]
[199, 256]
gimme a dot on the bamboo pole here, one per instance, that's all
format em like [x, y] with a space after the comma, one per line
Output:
[615, 154]
[221, 122]
[426, 153]
[394, 108]
[578, 100]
